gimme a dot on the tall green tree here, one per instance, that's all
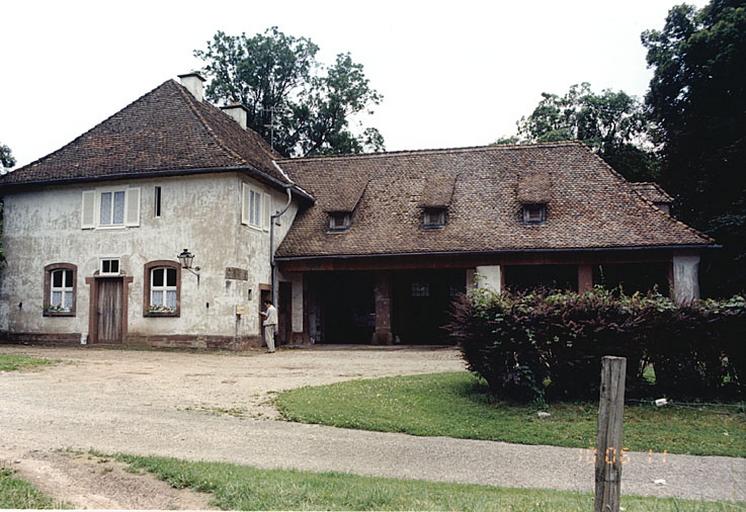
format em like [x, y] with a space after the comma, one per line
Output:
[697, 99]
[297, 104]
[612, 123]
[6, 158]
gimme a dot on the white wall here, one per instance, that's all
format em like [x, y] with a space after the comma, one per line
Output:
[200, 212]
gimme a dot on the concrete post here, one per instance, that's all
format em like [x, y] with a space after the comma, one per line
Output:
[585, 278]
[685, 278]
[491, 277]
[382, 296]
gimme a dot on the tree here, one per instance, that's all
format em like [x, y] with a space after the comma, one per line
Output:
[6, 158]
[6, 162]
[611, 123]
[697, 99]
[298, 105]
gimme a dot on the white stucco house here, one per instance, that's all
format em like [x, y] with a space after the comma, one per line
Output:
[365, 248]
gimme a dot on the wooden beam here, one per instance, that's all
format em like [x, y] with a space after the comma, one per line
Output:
[609, 442]
[455, 260]
[585, 277]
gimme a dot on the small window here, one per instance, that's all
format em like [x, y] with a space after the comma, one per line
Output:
[420, 289]
[157, 202]
[112, 208]
[59, 289]
[109, 266]
[339, 221]
[434, 218]
[162, 288]
[255, 207]
[534, 213]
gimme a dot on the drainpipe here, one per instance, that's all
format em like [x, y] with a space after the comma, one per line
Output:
[273, 269]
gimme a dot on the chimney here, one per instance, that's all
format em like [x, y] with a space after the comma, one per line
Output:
[193, 82]
[238, 112]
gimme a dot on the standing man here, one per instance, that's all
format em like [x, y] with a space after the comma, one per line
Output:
[270, 325]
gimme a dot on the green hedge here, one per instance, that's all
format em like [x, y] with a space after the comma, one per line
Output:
[548, 344]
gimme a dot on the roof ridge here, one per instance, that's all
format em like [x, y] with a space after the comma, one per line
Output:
[45, 157]
[627, 185]
[221, 144]
[486, 147]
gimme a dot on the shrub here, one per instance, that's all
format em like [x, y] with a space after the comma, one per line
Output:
[548, 344]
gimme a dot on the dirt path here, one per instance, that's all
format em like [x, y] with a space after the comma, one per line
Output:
[85, 481]
[213, 407]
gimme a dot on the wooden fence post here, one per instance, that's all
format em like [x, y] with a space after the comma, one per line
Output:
[610, 434]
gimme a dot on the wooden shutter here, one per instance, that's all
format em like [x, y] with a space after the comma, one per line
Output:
[266, 209]
[132, 209]
[88, 210]
[244, 203]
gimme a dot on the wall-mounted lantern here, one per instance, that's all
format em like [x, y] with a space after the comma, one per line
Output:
[186, 259]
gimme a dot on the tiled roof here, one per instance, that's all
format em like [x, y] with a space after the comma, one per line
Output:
[165, 131]
[652, 192]
[591, 206]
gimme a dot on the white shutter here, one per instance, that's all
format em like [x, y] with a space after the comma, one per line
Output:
[88, 210]
[244, 203]
[132, 210]
[266, 210]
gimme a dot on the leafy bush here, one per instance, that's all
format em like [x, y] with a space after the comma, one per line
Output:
[542, 344]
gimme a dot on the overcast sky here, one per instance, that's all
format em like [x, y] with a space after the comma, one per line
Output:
[456, 73]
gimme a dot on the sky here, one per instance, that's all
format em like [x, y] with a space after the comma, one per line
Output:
[457, 73]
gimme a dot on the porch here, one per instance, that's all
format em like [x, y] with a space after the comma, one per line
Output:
[405, 300]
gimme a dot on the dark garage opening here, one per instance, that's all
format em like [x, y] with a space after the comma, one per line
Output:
[421, 303]
[347, 308]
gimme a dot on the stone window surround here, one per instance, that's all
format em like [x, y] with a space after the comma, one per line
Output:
[149, 266]
[48, 288]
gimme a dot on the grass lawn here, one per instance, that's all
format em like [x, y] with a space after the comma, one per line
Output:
[456, 405]
[16, 493]
[11, 362]
[247, 488]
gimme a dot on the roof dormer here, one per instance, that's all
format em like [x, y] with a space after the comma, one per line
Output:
[435, 199]
[534, 193]
[347, 197]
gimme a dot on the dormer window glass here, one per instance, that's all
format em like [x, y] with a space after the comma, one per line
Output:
[339, 221]
[433, 218]
[534, 213]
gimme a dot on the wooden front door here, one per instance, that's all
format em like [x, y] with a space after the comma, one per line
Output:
[110, 310]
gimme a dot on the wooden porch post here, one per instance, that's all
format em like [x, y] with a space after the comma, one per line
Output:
[382, 296]
[585, 277]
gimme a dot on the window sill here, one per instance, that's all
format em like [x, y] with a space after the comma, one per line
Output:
[430, 227]
[156, 315]
[59, 313]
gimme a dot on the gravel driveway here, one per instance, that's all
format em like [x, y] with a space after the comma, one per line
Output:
[214, 406]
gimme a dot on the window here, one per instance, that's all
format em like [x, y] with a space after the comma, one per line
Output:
[157, 202]
[110, 208]
[534, 213]
[59, 289]
[339, 221]
[255, 207]
[109, 266]
[162, 288]
[420, 289]
[434, 218]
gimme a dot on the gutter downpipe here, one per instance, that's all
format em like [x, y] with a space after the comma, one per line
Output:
[273, 268]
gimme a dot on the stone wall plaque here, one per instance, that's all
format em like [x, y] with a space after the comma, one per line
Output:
[239, 274]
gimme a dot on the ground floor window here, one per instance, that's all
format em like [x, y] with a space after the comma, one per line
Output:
[59, 289]
[162, 288]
